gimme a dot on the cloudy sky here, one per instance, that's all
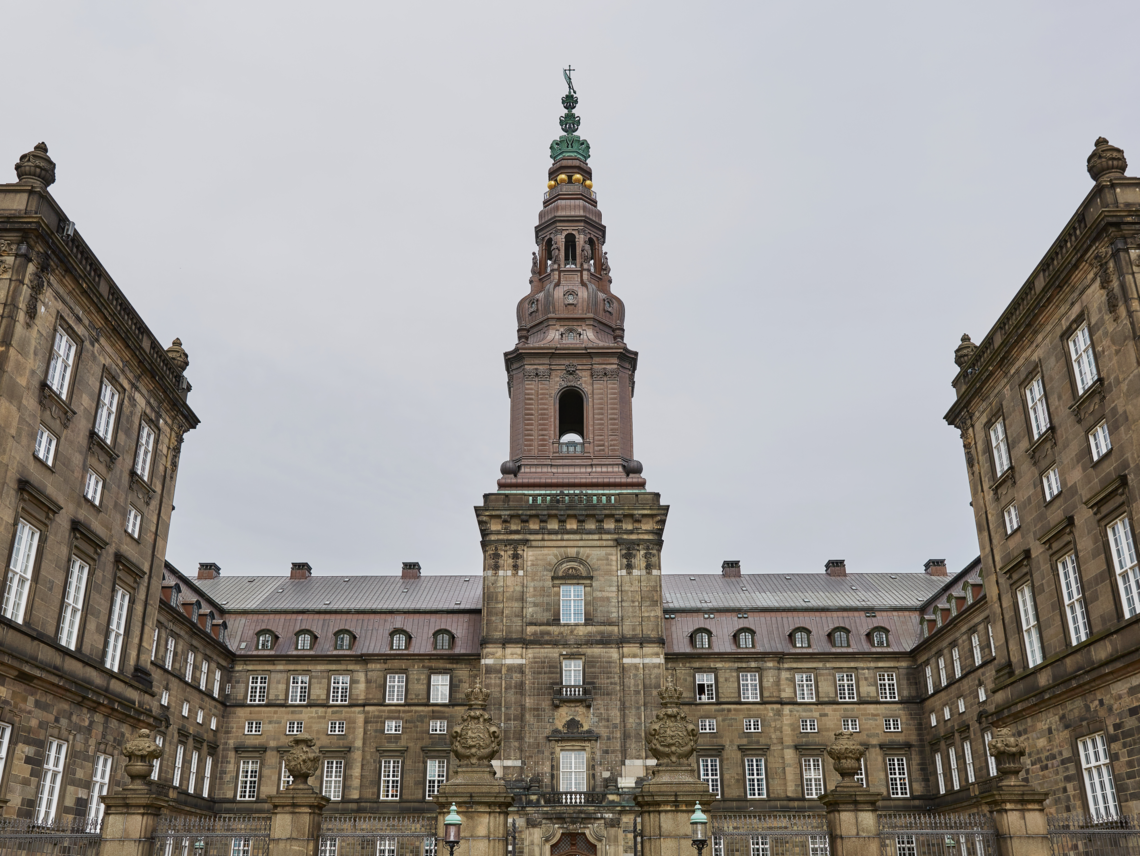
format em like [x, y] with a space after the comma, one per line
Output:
[333, 206]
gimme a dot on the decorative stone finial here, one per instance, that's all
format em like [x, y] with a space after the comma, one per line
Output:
[964, 352]
[302, 760]
[141, 753]
[178, 355]
[1106, 160]
[569, 144]
[477, 739]
[846, 756]
[1007, 751]
[36, 168]
[671, 736]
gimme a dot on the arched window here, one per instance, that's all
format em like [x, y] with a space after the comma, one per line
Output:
[801, 638]
[571, 254]
[344, 640]
[593, 254]
[879, 638]
[305, 640]
[701, 638]
[840, 638]
[571, 422]
[745, 639]
[547, 255]
[266, 640]
[399, 640]
[443, 640]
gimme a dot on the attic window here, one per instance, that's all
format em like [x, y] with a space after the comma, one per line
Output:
[305, 641]
[265, 640]
[344, 641]
[701, 638]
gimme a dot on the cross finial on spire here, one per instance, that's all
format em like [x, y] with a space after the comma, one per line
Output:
[566, 72]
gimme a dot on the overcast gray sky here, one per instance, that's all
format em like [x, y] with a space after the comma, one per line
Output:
[333, 204]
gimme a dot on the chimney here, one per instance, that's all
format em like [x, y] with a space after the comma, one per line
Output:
[300, 571]
[935, 567]
[730, 568]
[410, 571]
[209, 571]
[835, 568]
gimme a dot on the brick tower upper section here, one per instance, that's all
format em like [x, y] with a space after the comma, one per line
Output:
[570, 377]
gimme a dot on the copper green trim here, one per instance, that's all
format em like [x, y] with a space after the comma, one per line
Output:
[569, 144]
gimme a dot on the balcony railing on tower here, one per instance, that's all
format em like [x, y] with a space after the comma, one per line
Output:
[573, 693]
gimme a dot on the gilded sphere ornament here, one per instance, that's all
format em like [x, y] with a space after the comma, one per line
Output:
[588, 184]
[563, 178]
[577, 179]
[550, 185]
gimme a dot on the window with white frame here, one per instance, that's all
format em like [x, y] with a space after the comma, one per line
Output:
[295, 726]
[193, 777]
[1099, 785]
[116, 627]
[298, 689]
[701, 638]
[809, 726]
[178, 756]
[1075, 614]
[390, 778]
[861, 775]
[706, 686]
[286, 779]
[573, 604]
[981, 692]
[957, 661]
[397, 684]
[750, 686]
[801, 639]
[73, 602]
[1123, 561]
[850, 723]
[755, 778]
[45, 445]
[845, 686]
[1084, 363]
[976, 647]
[206, 776]
[217, 680]
[105, 412]
[213, 723]
[100, 782]
[189, 676]
[946, 712]
[158, 738]
[942, 670]
[333, 784]
[93, 487]
[253, 726]
[247, 779]
[436, 775]
[1099, 443]
[752, 724]
[572, 673]
[1038, 410]
[5, 735]
[961, 705]
[706, 726]
[812, 768]
[990, 631]
[1012, 518]
[199, 718]
[55, 757]
[168, 660]
[572, 770]
[1051, 482]
[20, 571]
[165, 698]
[203, 674]
[437, 726]
[440, 689]
[906, 845]
[393, 726]
[938, 772]
[144, 451]
[744, 639]
[134, 522]
[898, 780]
[62, 359]
[991, 761]
[953, 756]
[336, 726]
[1000, 447]
[265, 641]
[304, 641]
[929, 680]
[258, 689]
[338, 689]
[710, 774]
[933, 718]
[1030, 632]
[968, 757]
[805, 686]
[892, 723]
[888, 686]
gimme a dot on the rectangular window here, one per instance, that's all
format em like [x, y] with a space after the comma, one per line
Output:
[755, 780]
[144, 451]
[1012, 519]
[897, 778]
[942, 670]
[572, 673]
[253, 726]
[217, 680]
[710, 774]
[393, 726]
[73, 602]
[336, 726]
[20, 571]
[45, 445]
[1084, 363]
[338, 689]
[706, 686]
[178, 755]
[213, 723]
[169, 660]
[294, 726]
[961, 705]
[199, 718]
[991, 761]
[1038, 411]
[572, 770]
[93, 487]
[258, 689]
[888, 686]
[981, 692]
[204, 673]
[892, 723]
[1123, 560]
[298, 689]
[189, 676]
[1029, 629]
[165, 698]
[850, 724]
[390, 779]
[861, 776]
[845, 686]
[953, 756]
[1051, 481]
[968, 757]
[286, 779]
[100, 781]
[5, 734]
[573, 604]
[55, 756]
[946, 712]
[333, 785]
[805, 686]
[957, 660]
[247, 779]
[116, 628]
[62, 358]
[906, 845]
[157, 761]
[436, 775]
[990, 631]
[1075, 615]
[809, 726]
[440, 689]
[1099, 786]
[396, 686]
[206, 776]
[933, 718]
[105, 412]
[749, 686]
[929, 680]
[134, 522]
[1000, 447]
[813, 777]
[437, 726]
[1099, 442]
[938, 772]
[752, 724]
[976, 647]
[193, 771]
[706, 726]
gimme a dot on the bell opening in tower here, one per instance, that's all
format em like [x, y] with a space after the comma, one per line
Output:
[571, 251]
[571, 423]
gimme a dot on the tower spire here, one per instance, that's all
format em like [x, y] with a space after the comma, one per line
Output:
[569, 145]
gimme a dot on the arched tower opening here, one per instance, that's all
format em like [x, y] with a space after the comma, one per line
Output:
[571, 253]
[571, 422]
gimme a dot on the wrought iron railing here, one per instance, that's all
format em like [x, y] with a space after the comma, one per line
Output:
[73, 836]
[212, 835]
[930, 834]
[378, 835]
[1094, 835]
[770, 834]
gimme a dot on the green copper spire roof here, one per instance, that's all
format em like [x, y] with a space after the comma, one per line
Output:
[569, 145]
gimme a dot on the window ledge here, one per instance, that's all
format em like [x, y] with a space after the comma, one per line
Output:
[1043, 445]
[1089, 400]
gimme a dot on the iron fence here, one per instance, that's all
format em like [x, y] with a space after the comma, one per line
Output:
[792, 834]
[378, 835]
[1093, 835]
[212, 835]
[61, 837]
[929, 834]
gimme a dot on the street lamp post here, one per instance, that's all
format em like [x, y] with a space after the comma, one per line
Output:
[700, 826]
[451, 827]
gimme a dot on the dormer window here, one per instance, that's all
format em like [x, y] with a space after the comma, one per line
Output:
[443, 640]
[801, 638]
[265, 640]
[840, 638]
[399, 640]
[305, 641]
[879, 638]
[571, 423]
[745, 639]
[701, 638]
[344, 640]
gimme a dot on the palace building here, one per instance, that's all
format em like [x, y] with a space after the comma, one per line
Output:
[575, 620]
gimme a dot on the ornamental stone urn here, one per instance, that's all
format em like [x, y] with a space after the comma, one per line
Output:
[1106, 160]
[847, 757]
[302, 761]
[36, 168]
[964, 352]
[141, 754]
[1007, 750]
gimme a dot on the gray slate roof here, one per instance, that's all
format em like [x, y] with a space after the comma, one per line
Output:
[801, 592]
[346, 593]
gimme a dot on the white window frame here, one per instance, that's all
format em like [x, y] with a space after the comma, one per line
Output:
[206, 776]
[62, 362]
[898, 777]
[805, 686]
[752, 725]
[999, 446]
[179, 755]
[193, 777]
[933, 719]
[5, 736]
[755, 778]
[938, 772]
[93, 487]
[435, 777]
[572, 770]
[286, 779]
[845, 686]
[340, 687]
[217, 681]
[100, 782]
[572, 672]
[116, 628]
[1123, 549]
[956, 661]
[168, 660]
[942, 670]
[258, 689]
[968, 756]
[294, 726]
[396, 689]
[1076, 618]
[961, 705]
[705, 687]
[20, 568]
[929, 680]
[390, 778]
[203, 675]
[976, 647]
[189, 674]
[106, 410]
[336, 726]
[144, 452]
[1096, 768]
[981, 692]
[46, 443]
[750, 686]
[253, 726]
[134, 522]
[440, 689]
[437, 726]
[298, 689]
[809, 725]
[892, 724]
[1030, 631]
[709, 768]
[1051, 483]
[573, 604]
[991, 762]
[953, 756]
[332, 784]
[849, 723]
[888, 686]
[1099, 442]
[1038, 409]
[706, 726]
[811, 771]
[51, 782]
[393, 726]
[1084, 361]
[249, 770]
[72, 611]
[990, 633]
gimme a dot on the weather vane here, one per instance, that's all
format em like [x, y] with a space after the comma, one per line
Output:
[566, 73]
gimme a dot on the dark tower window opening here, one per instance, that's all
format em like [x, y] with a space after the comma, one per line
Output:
[593, 254]
[571, 423]
[547, 255]
[571, 254]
